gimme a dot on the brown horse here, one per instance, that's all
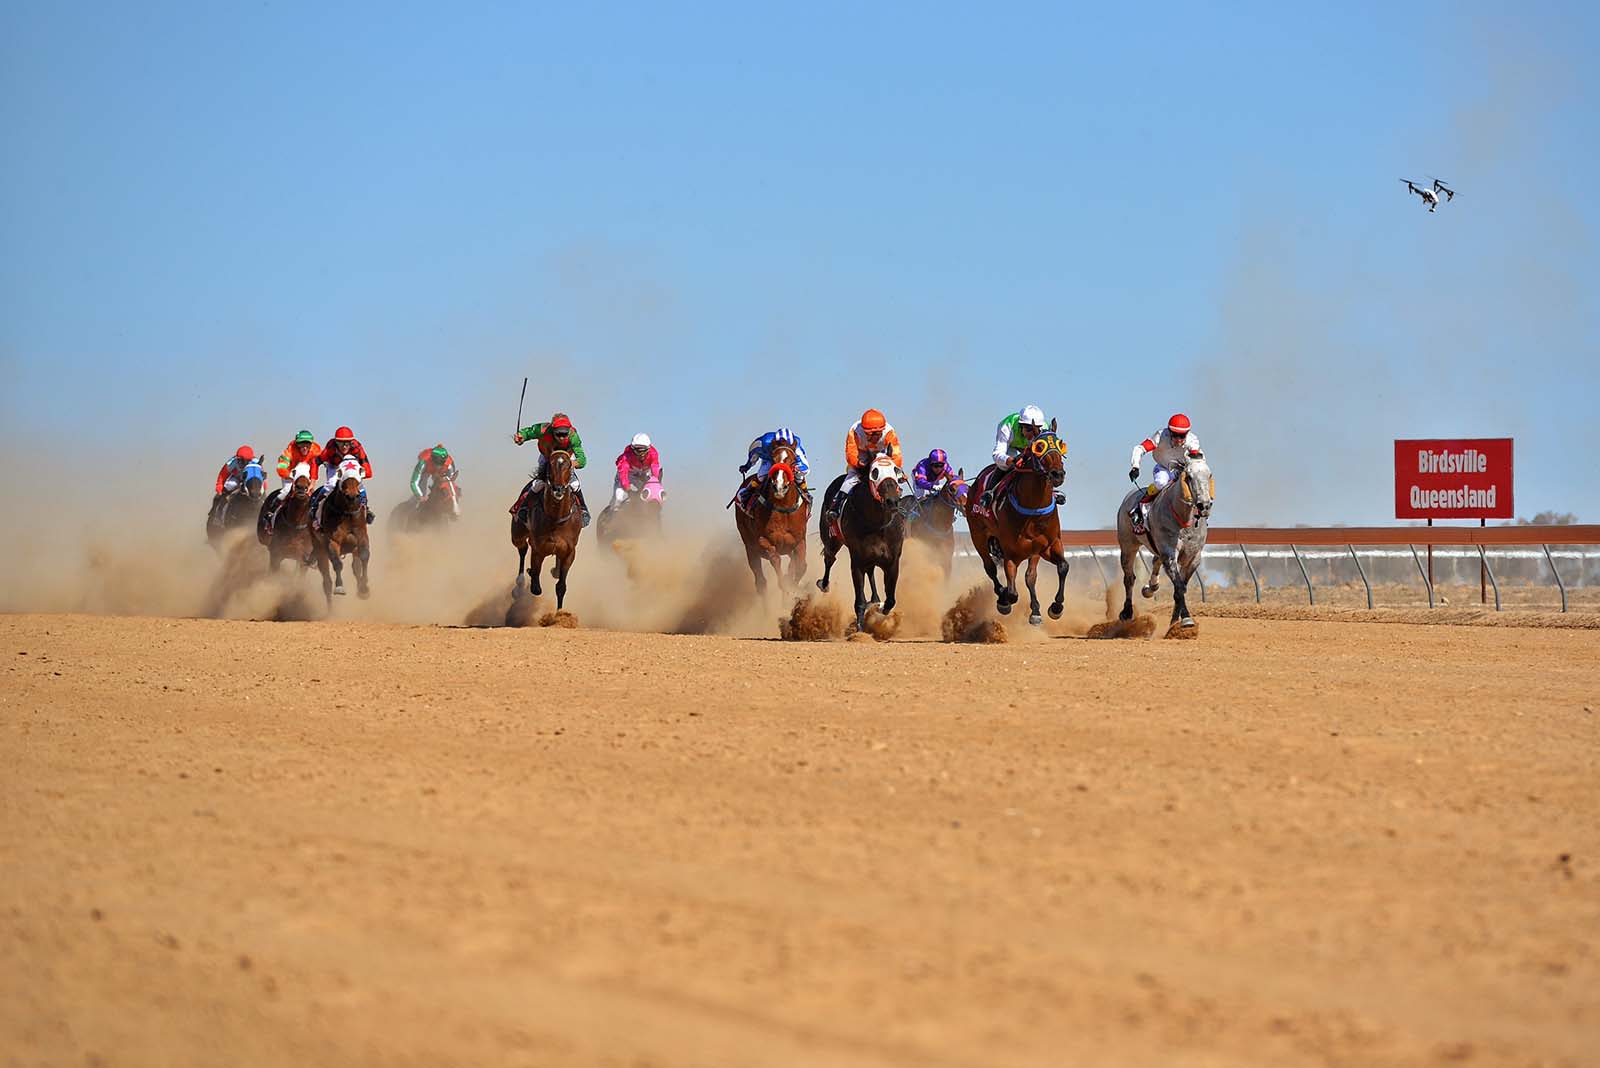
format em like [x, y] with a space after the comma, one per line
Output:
[342, 531]
[438, 509]
[549, 526]
[289, 535]
[1022, 524]
[775, 524]
[873, 527]
[933, 522]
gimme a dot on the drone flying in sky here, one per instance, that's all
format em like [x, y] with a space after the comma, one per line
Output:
[1430, 196]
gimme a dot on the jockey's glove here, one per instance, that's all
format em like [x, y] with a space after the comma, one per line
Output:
[1133, 475]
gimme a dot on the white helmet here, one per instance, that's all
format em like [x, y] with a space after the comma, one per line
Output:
[1032, 415]
[641, 441]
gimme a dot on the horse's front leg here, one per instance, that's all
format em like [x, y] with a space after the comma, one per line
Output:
[563, 565]
[327, 577]
[1149, 589]
[534, 566]
[1012, 597]
[993, 561]
[1180, 587]
[872, 585]
[858, 576]
[797, 562]
[891, 579]
[1059, 558]
[358, 563]
[753, 557]
[1128, 558]
[829, 555]
[522, 567]
[1033, 591]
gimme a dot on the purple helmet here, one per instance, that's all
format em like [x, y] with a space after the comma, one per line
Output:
[937, 456]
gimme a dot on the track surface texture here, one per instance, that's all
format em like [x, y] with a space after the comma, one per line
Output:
[1286, 843]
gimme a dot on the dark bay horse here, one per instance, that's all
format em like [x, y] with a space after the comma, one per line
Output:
[1175, 533]
[775, 524]
[439, 508]
[232, 510]
[933, 522]
[873, 528]
[290, 535]
[1023, 524]
[548, 526]
[342, 531]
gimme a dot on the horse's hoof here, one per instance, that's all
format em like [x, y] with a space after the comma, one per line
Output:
[1187, 621]
[363, 594]
[1147, 591]
[1055, 611]
[338, 591]
[1003, 607]
[1125, 615]
[822, 585]
[1035, 618]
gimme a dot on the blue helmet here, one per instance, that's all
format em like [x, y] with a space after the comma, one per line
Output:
[783, 434]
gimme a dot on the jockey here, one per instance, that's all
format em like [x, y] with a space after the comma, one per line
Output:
[637, 465]
[233, 471]
[869, 437]
[557, 434]
[434, 466]
[1166, 446]
[302, 450]
[343, 444]
[759, 461]
[932, 474]
[1011, 439]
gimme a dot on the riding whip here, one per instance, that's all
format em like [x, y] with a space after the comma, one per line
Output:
[519, 402]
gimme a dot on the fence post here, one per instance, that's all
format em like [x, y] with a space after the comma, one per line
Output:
[1363, 573]
[1483, 560]
[1427, 583]
[1252, 569]
[1310, 596]
[1559, 584]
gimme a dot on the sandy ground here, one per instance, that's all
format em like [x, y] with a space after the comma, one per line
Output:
[231, 842]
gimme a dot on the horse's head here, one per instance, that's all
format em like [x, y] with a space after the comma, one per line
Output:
[1196, 484]
[302, 481]
[1047, 454]
[883, 480]
[348, 477]
[783, 453]
[780, 477]
[558, 472]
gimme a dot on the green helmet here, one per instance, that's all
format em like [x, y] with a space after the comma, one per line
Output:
[440, 453]
[305, 437]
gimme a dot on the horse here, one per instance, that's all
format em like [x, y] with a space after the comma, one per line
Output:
[440, 507]
[873, 527]
[228, 512]
[289, 536]
[933, 521]
[775, 524]
[1023, 525]
[1175, 532]
[341, 530]
[637, 517]
[549, 526]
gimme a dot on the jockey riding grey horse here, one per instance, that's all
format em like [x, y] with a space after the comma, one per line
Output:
[1175, 534]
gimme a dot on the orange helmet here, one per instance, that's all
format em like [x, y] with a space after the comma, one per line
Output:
[872, 419]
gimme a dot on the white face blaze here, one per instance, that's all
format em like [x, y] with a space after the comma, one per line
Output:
[780, 482]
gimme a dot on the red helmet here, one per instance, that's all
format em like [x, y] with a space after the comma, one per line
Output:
[1178, 425]
[560, 422]
[344, 433]
[246, 453]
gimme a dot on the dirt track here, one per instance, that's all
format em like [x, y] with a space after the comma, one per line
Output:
[1299, 843]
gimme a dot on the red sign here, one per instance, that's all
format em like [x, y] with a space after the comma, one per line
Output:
[1453, 478]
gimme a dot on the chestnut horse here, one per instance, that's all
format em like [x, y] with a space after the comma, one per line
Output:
[289, 537]
[933, 522]
[549, 526]
[342, 531]
[775, 525]
[1023, 524]
[873, 528]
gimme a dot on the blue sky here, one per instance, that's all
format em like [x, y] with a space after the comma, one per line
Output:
[222, 222]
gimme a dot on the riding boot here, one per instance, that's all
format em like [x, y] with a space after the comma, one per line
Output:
[522, 499]
[370, 517]
[583, 506]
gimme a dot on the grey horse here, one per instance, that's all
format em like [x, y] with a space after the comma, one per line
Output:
[1176, 526]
